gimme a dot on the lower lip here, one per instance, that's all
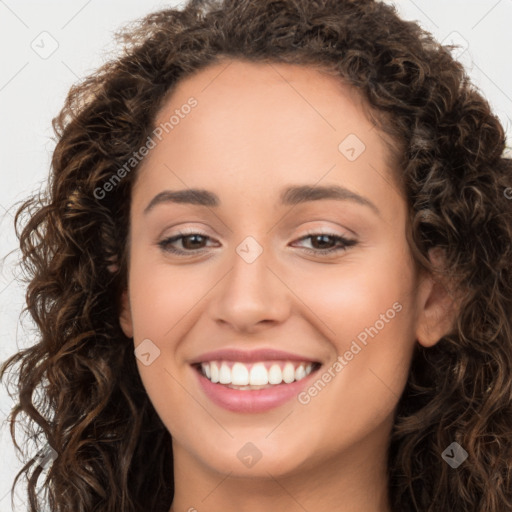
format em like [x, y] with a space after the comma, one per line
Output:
[258, 400]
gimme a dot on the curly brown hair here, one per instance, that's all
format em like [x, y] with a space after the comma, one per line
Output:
[91, 406]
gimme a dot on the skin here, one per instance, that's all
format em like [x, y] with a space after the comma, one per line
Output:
[256, 129]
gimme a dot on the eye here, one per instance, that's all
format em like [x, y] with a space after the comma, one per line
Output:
[194, 243]
[326, 247]
[191, 242]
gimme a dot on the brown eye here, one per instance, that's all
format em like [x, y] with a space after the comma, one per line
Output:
[190, 243]
[322, 241]
[327, 243]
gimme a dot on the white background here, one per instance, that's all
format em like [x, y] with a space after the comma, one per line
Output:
[32, 91]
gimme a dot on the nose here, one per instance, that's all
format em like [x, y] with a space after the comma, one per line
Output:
[252, 296]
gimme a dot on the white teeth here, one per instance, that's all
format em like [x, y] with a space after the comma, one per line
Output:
[289, 373]
[300, 373]
[256, 374]
[275, 375]
[239, 375]
[224, 374]
[214, 369]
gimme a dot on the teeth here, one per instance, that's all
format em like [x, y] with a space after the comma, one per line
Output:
[239, 375]
[259, 375]
[288, 373]
[214, 370]
[275, 375]
[224, 374]
[300, 372]
[255, 374]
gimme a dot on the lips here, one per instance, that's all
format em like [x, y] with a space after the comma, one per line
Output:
[252, 381]
[251, 356]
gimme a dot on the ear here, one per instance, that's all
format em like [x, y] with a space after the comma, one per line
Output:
[125, 316]
[437, 304]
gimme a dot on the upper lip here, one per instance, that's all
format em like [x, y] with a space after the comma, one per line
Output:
[250, 356]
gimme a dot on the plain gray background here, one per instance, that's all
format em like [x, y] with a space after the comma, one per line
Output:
[48, 46]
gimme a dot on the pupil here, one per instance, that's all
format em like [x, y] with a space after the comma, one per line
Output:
[323, 237]
[196, 237]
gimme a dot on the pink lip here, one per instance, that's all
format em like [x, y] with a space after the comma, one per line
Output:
[249, 356]
[247, 401]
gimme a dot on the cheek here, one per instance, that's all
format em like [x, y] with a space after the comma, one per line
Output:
[162, 305]
[161, 296]
[353, 295]
[367, 313]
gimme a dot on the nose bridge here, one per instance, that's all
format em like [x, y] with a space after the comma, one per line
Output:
[249, 279]
[251, 293]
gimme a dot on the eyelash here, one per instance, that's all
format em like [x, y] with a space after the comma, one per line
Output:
[165, 244]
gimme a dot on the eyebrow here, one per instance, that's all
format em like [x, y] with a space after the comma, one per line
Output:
[290, 196]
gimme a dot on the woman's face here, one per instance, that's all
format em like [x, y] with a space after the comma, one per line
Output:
[262, 289]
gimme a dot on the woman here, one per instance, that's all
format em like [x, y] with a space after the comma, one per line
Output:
[201, 348]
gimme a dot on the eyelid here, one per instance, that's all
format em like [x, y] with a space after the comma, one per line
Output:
[325, 231]
[342, 243]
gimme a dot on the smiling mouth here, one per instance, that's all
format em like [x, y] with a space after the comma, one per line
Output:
[257, 375]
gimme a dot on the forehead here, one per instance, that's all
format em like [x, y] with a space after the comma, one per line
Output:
[271, 96]
[259, 125]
